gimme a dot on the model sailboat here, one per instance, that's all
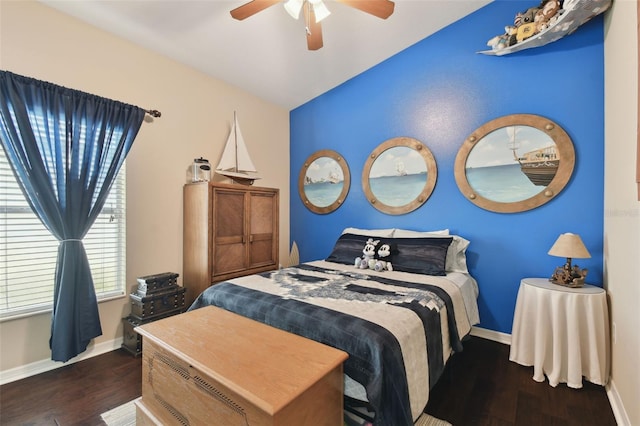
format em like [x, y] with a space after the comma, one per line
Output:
[235, 162]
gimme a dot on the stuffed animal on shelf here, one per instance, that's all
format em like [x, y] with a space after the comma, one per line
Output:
[528, 23]
[384, 258]
[526, 17]
[367, 261]
[504, 40]
[546, 15]
[525, 23]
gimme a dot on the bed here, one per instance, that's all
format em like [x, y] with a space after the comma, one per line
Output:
[398, 326]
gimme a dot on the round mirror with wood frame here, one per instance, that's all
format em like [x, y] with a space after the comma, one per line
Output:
[324, 181]
[399, 175]
[514, 163]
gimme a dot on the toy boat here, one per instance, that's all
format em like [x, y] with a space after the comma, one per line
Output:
[235, 162]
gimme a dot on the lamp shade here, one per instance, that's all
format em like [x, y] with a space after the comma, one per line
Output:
[571, 246]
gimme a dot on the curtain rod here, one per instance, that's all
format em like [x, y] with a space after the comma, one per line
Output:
[151, 112]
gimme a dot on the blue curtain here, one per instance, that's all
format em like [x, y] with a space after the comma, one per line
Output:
[65, 148]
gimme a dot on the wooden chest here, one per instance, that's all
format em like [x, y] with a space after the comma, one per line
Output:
[213, 367]
[157, 283]
[156, 305]
[157, 296]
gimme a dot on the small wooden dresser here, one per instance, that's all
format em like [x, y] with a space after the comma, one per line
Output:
[213, 367]
[229, 231]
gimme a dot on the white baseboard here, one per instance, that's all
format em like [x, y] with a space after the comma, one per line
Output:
[622, 418]
[28, 370]
[496, 336]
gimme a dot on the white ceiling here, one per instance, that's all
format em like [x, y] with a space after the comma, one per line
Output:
[266, 54]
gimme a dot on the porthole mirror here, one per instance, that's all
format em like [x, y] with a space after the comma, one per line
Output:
[514, 163]
[399, 175]
[324, 181]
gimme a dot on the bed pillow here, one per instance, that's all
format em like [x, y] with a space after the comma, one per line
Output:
[426, 256]
[347, 248]
[376, 233]
[407, 233]
[456, 254]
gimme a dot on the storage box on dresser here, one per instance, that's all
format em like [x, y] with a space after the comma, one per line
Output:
[229, 231]
[213, 367]
[156, 297]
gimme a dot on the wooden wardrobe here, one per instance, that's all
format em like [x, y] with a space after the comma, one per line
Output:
[229, 231]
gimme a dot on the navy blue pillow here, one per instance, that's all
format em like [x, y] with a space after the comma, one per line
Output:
[426, 256]
[347, 248]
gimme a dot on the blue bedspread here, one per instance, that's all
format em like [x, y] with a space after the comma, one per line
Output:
[315, 302]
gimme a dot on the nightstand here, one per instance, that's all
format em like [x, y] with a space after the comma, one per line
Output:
[562, 332]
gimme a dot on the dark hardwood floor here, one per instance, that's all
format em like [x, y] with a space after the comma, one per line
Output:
[75, 394]
[479, 387]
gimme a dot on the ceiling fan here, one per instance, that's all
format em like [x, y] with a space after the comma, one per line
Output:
[314, 12]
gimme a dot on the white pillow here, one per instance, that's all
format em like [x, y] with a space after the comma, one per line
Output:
[378, 233]
[456, 253]
[406, 233]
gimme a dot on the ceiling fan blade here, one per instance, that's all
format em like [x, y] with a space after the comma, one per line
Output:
[251, 8]
[314, 29]
[380, 8]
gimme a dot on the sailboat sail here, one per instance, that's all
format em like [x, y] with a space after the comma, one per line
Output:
[235, 161]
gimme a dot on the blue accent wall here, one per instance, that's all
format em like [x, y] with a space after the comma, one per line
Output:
[439, 91]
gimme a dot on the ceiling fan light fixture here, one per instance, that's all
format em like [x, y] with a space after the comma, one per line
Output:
[314, 12]
[293, 8]
[320, 10]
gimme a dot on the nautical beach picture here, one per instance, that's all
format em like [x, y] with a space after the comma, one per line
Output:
[398, 176]
[323, 182]
[512, 164]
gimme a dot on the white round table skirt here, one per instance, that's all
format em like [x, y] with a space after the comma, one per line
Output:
[562, 332]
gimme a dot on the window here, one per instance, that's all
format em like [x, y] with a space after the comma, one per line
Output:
[28, 251]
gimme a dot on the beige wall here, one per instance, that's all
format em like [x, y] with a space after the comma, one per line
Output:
[622, 209]
[40, 42]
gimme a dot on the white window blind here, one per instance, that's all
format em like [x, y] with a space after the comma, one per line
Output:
[28, 251]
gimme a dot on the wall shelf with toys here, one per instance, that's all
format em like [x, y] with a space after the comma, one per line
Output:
[550, 21]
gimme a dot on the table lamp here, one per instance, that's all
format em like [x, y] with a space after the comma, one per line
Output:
[570, 246]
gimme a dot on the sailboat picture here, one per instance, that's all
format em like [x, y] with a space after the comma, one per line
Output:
[323, 181]
[235, 162]
[398, 176]
[539, 165]
[497, 172]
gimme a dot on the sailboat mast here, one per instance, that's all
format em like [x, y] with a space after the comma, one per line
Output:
[513, 144]
[235, 137]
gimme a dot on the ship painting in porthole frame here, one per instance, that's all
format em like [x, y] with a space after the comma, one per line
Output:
[514, 163]
[399, 175]
[324, 181]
